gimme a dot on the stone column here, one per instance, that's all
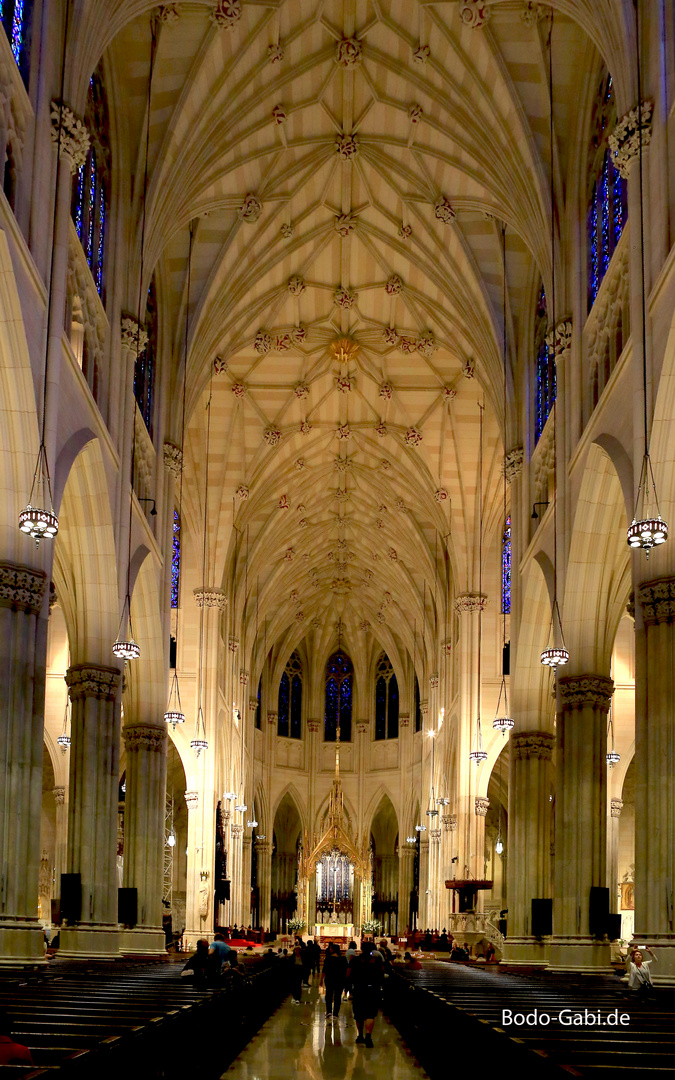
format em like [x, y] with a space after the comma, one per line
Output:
[264, 853]
[654, 781]
[615, 808]
[61, 836]
[481, 805]
[436, 886]
[92, 808]
[133, 341]
[144, 814]
[422, 918]
[236, 873]
[469, 845]
[23, 649]
[246, 879]
[195, 926]
[580, 820]
[406, 859]
[529, 843]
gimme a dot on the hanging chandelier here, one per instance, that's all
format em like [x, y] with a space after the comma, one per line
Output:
[64, 739]
[612, 757]
[420, 828]
[126, 648]
[411, 839]
[555, 655]
[229, 795]
[478, 755]
[252, 824]
[174, 713]
[432, 812]
[502, 721]
[199, 742]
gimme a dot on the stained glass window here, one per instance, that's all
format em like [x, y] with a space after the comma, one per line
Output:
[175, 560]
[386, 700]
[506, 567]
[144, 371]
[289, 714]
[607, 194]
[258, 708]
[333, 874]
[418, 707]
[545, 375]
[16, 19]
[339, 676]
[91, 183]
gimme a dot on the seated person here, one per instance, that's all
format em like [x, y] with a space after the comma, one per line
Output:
[219, 952]
[411, 963]
[11, 1052]
[639, 976]
[200, 964]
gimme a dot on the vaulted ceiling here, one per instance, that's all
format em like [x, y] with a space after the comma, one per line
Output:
[346, 166]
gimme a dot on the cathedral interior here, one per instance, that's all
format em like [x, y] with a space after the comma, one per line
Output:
[337, 356]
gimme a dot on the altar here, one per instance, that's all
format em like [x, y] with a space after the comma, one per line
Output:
[334, 930]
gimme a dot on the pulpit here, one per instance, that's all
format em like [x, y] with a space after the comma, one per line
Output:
[467, 889]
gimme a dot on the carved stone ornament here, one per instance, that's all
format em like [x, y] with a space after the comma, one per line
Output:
[394, 285]
[449, 822]
[226, 14]
[144, 737]
[301, 391]
[279, 114]
[263, 342]
[74, 136]
[435, 836]
[563, 337]
[305, 428]
[242, 492]
[134, 336]
[298, 334]
[286, 230]
[532, 13]
[21, 588]
[624, 141]
[443, 210]
[421, 54]
[379, 524]
[362, 726]
[243, 678]
[347, 147]
[405, 232]
[343, 432]
[239, 389]
[289, 555]
[413, 437]
[90, 680]
[220, 365]
[449, 394]
[345, 224]
[440, 495]
[313, 725]
[424, 707]
[426, 344]
[390, 336]
[252, 704]
[233, 645]
[272, 718]
[348, 52]
[168, 14]
[657, 600]
[344, 298]
[237, 831]
[415, 114]
[392, 554]
[59, 794]
[380, 617]
[210, 598]
[446, 648]
[481, 806]
[532, 744]
[386, 390]
[469, 369]
[433, 681]
[283, 341]
[513, 464]
[275, 53]
[192, 800]
[585, 691]
[299, 616]
[251, 208]
[364, 625]
[344, 383]
[173, 459]
[284, 503]
[407, 344]
[616, 806]
[404, 719]
[296, 285]
[474, 13]
[470, 602]
[272, 436]
[317, 623]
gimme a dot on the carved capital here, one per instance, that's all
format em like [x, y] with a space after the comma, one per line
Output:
[630, 606]
[657, 600]
[72, 133]
[435, 836]
[616, 806]
[532, 744]
[173, 459]
[449, 822]
[192, 800]
[513, 464]
[362, 726]
[59, 794]
[134, 336]
[144, 737]
[210, 598]
[253, 704]
[624, 141]
[243, 678]
[90, 680]
[22, 588]
[167, 14]
[263, 847]
[470, 602]
[404, 719]
[424, 707]
[585, 691]
[272, 718]
[312, 725]
[481, 806]
[237, 831]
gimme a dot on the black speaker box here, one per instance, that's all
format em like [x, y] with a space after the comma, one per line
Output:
[226, 890]
[127, 907]
[613, 927]
[598, 911]
[71, 898]
[542, 918]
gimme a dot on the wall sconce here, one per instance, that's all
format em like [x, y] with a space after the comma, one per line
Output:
[204, 875]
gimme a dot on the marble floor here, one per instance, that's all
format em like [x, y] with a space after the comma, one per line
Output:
[296, 1043]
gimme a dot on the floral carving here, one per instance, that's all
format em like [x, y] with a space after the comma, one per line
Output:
[239, 389]
[303, 523]
[341, 494]
[210, 598]
[348, 52]
[282, 342]
[143, 737]
[344, 384]
[279, 114]
[284, 503]
[415, 114]
[443, 210]
[440, 495]
[407, 345]
[532, 13]
[513, 463]
[286, 230]
[243, 678]
[298, 334]
[251, 208]
[390, 336]
[380, 616]
[345, 224]
[272, 436]
[232, 644]
[173, 458]
[392, 554]
[263, 342]
[401, 506]
[449, 393]
[296, 285]
[343, 432]
[300, 463]
[469, 369]
[347, 147]
[299, 616]
[74, 137]
[394, 285]
[289, 555]
[168, 14]
[365, 625]
[474, 13]
[305, 428]
[344, 298]
[433, 681]
[275, 53]
[426, 344]
[386, 390]
[220, 365]
[381, 430]
[624, 141]
[405, 232]
[379, 524]
[134, 335]
[242, 492]
[226, 14]
[421, 54]
[301, 391]
[341, 465]
[386, 465]
[413, 437]
[92, 680]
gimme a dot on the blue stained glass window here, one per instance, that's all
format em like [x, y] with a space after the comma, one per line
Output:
[296, 707]
[392, 709]
[90, 187]
[506, 567]
[16, 19]
[545, 377]
[98, 275]
[339, 674]
[283, 707]
[381, 708]
[386, 700]
[17, 30]
[79, 196]
[607, 195]
[175, 560]
[91, 210]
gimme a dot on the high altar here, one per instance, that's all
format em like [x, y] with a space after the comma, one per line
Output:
[334, 930]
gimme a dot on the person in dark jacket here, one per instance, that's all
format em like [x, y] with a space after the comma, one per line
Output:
[11, 1052]
[201, 964]
[367, 978]
[333, 978]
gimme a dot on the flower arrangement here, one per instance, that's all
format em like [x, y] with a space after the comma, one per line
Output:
[371, 926]
[295, 924]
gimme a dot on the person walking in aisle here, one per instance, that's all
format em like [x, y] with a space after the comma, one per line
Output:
[333, 978]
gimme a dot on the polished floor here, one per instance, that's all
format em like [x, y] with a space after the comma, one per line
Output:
[296, 1043]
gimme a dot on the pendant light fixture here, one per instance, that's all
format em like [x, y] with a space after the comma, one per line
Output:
[478, 755]
[124, 647]
[556, 654]
[503, 721]
[38, 520]
[199, 741]
[612, 757]
[647, 529]
[64, 739]
[174, 711]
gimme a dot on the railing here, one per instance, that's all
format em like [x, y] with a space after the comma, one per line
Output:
[470, 922]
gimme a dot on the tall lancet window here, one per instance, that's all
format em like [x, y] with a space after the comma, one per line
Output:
[418, 706]
[175, 561]
[289, 720]
[545, 378]
[17, 19]
[506, 567]
[607, 195]
[91, 184]
[339, 681]
[386, 700]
